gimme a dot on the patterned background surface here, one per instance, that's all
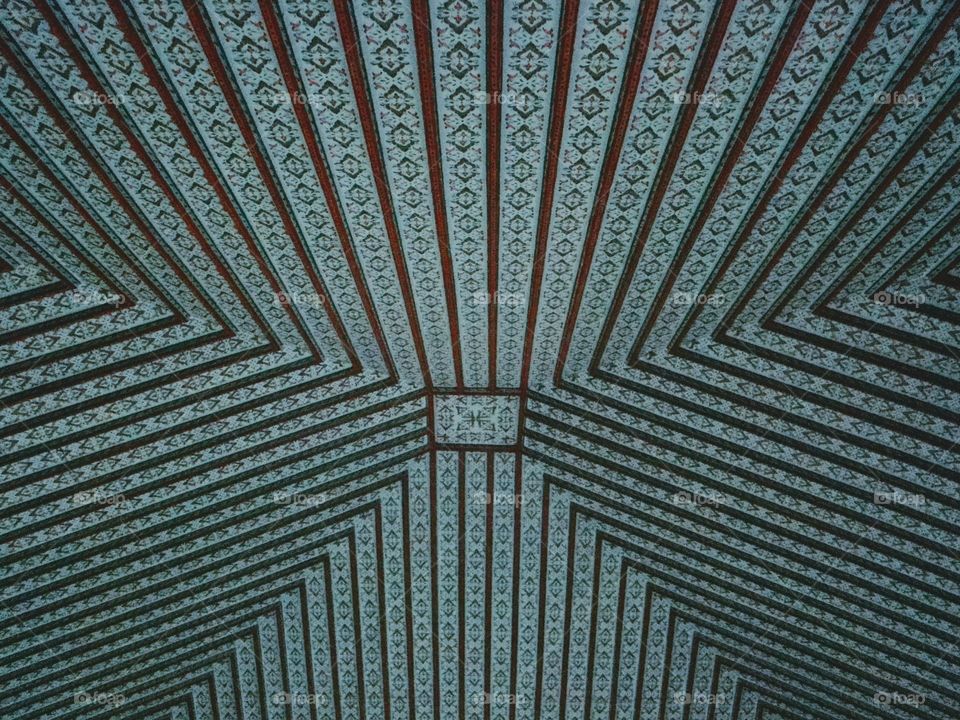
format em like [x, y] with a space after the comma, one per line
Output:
[545, 359]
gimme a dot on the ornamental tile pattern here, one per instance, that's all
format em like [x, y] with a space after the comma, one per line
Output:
[521, 360]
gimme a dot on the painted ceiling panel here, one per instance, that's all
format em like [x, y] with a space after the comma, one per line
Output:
[540, 359]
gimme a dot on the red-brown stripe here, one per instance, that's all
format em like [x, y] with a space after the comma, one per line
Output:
[494, 87]
[422, 40]
[221, 73]
[276, 33]
[173, 110]
[716, 31]
[758, 104]
[628, 93]
[351, 44]
[813, 122]
[562, 69]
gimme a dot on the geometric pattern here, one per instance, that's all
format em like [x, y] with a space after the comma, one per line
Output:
[539, 359]
[483, 420]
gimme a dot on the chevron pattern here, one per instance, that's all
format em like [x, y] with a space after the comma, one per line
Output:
[537, 359]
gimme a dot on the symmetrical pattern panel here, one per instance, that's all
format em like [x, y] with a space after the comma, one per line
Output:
[513, 360]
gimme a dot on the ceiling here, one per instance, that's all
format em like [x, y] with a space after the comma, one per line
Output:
[546, 359]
